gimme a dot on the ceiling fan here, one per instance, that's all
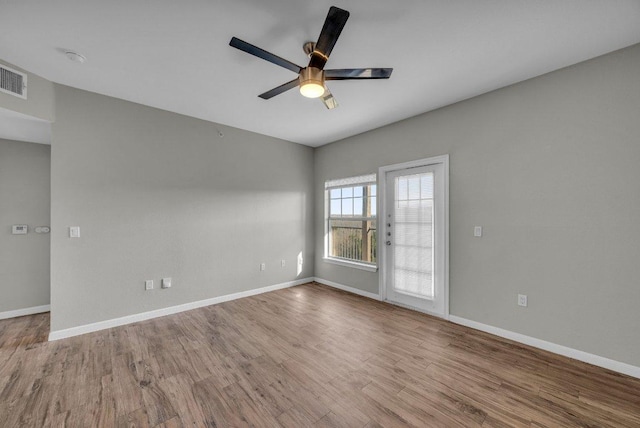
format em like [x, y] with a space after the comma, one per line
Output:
[311, 79]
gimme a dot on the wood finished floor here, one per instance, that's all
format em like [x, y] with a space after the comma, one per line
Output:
[303, 356]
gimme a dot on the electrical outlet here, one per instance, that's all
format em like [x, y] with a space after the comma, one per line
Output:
[263, 266]
[522, 300]
[148, 284]
[283, 262]
[166, 282]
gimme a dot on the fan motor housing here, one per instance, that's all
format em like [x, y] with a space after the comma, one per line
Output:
[312, 75]
[311, 82]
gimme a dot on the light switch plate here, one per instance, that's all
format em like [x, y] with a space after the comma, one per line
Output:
[148, 284]
[166, 282]
[477, 231]
[74, 232]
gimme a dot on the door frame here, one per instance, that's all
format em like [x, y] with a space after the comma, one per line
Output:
[382, 224]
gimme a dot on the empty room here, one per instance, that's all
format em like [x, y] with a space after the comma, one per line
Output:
[320, 214]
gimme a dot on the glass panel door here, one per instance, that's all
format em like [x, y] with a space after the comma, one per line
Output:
[414, 240]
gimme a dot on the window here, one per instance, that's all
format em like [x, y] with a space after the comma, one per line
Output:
[351, 235]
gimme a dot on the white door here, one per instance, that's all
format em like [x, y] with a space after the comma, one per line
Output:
[414, 240]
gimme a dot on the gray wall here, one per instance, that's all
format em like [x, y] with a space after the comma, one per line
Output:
[551, 168]
[24, 199]
[158, 194]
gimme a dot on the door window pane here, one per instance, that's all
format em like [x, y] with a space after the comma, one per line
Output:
[413, 247]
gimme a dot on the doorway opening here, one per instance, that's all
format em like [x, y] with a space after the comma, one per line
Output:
[25, 214]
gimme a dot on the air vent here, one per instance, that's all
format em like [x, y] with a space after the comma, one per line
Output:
[13, 82]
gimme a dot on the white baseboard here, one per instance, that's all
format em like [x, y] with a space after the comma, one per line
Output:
[586, 357]
[102, 325]
[25, 311]
[348, 289]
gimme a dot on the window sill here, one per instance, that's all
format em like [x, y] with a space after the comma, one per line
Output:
[351, 264]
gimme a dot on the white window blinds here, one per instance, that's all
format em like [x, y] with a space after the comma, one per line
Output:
[413, 250]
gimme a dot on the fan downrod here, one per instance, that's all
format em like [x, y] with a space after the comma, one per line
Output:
[308, 48]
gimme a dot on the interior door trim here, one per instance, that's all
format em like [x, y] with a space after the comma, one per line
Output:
[382, 224]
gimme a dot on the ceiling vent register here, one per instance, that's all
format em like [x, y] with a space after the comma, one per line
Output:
[13, 82]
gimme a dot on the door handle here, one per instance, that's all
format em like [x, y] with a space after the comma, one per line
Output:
[388, 242]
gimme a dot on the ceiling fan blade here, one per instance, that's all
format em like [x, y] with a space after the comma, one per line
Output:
[329, 101]
[261, 53]
[280, 89]
[358, 73]
[333, 25]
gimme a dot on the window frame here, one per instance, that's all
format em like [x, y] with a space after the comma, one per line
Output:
[351, 182]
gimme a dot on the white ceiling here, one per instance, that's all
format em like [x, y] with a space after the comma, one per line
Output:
[174, 55]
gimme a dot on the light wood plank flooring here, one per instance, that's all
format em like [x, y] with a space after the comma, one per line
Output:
[304, 356]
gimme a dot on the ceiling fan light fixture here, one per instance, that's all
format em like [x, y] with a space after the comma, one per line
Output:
[312, 90]
[311, 79]
[312, 82]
